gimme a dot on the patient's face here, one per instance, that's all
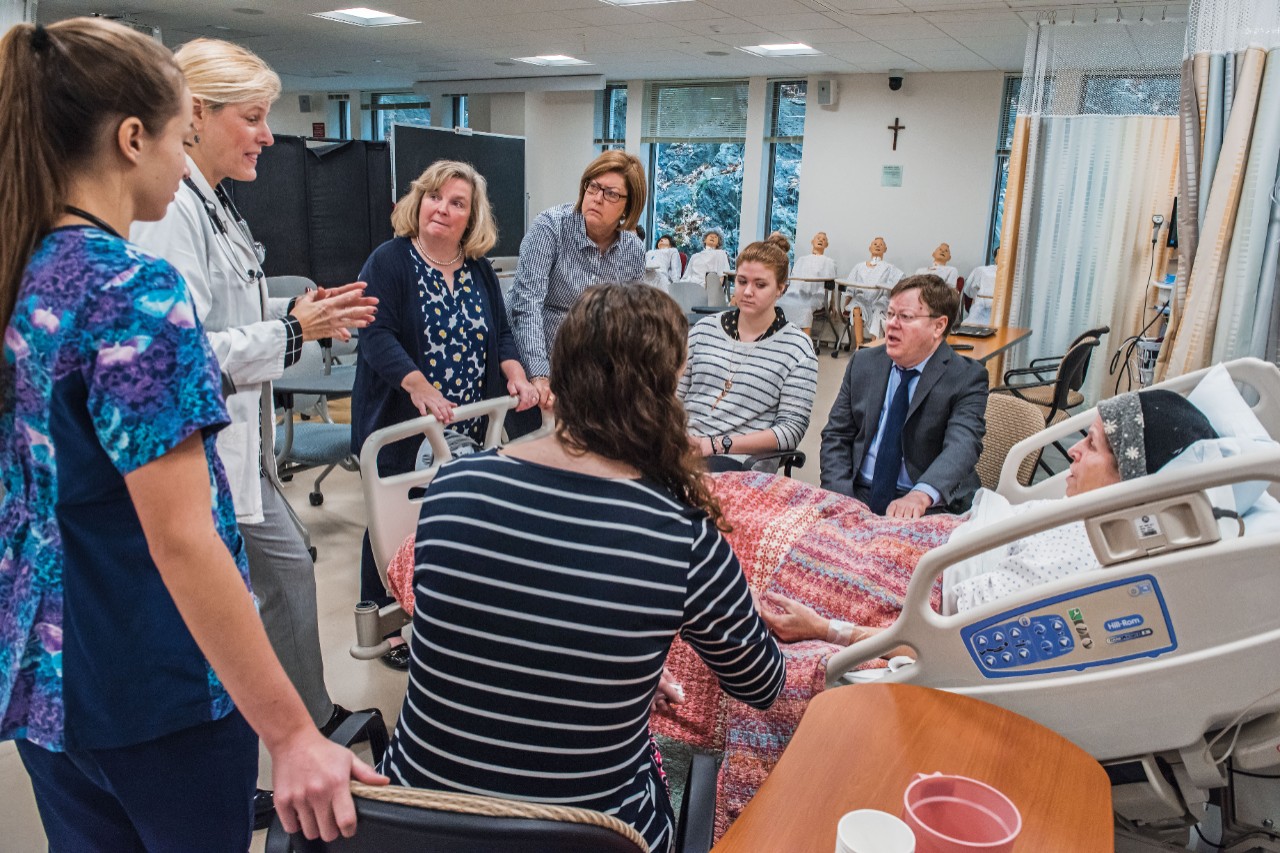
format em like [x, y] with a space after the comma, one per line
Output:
[819, 242]
[877, 248]
[1093, 465]
[942, 254]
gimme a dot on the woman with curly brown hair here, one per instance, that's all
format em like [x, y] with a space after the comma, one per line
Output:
[553, 575]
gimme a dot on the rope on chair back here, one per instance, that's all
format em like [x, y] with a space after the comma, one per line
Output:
[492, 807]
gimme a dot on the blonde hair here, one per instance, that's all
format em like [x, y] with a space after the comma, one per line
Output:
[632, 171]
[221, 73]
[482, 230]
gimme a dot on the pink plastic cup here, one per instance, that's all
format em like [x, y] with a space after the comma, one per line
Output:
[956, 814]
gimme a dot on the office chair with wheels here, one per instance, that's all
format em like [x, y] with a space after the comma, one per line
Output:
[1046, 366]
[1055, 397]
[786, 459]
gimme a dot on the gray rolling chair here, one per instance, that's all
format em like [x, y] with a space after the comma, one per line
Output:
[393, 819]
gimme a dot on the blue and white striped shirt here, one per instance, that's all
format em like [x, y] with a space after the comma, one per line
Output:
[546, 604]
[557, 262]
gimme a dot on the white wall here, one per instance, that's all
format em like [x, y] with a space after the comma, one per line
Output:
[947, 154]
[559, 128]
[286, 119]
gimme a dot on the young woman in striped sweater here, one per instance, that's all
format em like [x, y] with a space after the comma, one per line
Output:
[751, 375]
[552, 576]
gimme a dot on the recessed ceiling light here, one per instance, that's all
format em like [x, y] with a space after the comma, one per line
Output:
[793, 49]
[551, 59]
[362, 17]
[640, 2]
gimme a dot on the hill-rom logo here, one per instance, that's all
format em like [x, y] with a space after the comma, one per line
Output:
[1123, 623]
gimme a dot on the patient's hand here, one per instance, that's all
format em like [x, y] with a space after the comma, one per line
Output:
[669, 694]
[795, 622]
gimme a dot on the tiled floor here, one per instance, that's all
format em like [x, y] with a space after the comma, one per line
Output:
[336, 527]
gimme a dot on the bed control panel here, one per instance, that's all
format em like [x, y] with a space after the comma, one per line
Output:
[1098, 626]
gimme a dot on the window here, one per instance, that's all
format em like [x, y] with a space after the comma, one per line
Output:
[461, 115]
[786, 141]
[611, 117]
[1004, 144]
[344, 119]
[1132, 94]
[388, 108]
[697, 137]
[340, 112]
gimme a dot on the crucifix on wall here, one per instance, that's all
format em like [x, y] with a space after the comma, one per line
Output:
[895, 127]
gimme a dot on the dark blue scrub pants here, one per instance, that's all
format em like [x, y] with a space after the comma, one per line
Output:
[188, 791]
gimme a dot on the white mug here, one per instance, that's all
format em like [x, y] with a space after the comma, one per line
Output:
[872, 831]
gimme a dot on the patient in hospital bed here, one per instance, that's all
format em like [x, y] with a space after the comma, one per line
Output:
[799, 542]
[1133, 435]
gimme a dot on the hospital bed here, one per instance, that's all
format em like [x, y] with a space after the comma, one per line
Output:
[1164, 663]
[393, 503]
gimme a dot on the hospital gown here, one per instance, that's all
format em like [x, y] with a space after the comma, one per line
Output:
[874, 280]
[666, 262]
[980, 286]
[948, 274]
[805, 297]
[708, 260]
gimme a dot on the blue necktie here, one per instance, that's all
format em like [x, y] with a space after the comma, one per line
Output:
[884, 478]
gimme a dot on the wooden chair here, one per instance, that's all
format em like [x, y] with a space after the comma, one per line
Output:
[1009, 420]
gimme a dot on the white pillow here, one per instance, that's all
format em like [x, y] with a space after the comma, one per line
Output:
[1228, 413]
[1239, 497]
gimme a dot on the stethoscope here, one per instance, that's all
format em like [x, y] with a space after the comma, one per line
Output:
[228, 248]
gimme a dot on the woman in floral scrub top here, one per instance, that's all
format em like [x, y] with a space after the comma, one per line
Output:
[124, 601]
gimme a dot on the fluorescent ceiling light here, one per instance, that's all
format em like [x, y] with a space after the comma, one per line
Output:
[552, 59]
[362, 17]
[793, 49]
[640, 2]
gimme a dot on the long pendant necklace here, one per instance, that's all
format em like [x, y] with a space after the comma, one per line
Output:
[417, 241]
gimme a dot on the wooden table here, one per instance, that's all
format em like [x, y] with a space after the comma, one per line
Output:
[858, 747]
[985, 349]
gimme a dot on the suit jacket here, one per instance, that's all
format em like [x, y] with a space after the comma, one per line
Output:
[941, 439]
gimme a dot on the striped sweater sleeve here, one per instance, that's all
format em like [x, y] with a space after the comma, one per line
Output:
[799, 386]
[722, 626]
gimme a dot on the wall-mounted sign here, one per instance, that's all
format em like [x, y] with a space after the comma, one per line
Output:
[890, 176]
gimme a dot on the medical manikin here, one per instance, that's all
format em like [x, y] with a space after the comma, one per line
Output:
[941, 265]
[873, 279]
[805, 297]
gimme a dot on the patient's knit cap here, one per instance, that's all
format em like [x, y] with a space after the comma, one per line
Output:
[1148, 428]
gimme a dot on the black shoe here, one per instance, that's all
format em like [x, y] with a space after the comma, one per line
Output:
[264, 808]
[398, 657]
[340, 715]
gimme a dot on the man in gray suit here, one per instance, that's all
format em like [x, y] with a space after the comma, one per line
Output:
[906, 429]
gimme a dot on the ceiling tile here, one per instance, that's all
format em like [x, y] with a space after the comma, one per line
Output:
[899, 29]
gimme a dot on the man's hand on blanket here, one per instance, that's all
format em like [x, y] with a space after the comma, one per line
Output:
[911, 505]
[669, 693]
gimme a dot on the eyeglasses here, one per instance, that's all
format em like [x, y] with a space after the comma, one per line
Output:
[610, 194]
[890, 316]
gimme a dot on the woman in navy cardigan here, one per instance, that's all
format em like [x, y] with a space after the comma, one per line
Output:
[440, 338]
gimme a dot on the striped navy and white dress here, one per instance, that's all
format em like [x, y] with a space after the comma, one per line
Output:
[733, 387]
[546, 602]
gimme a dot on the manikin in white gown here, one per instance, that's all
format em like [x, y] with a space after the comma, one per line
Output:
[665, 259]
[940, 266]
[804, 297]
[712, 258]
[874, 278]
[981, 286]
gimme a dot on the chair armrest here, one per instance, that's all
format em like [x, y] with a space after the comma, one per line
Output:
[1027, 371]
[352, 730]
[697, 822]
[787, 459]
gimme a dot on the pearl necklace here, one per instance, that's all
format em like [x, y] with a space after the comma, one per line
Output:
[417, 242]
